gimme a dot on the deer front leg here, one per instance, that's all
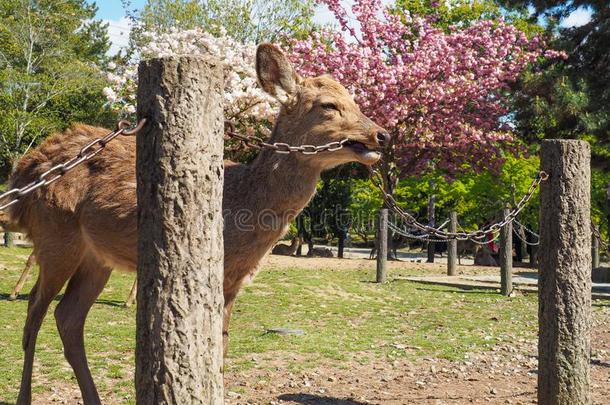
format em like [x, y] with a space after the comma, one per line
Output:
[229, 300]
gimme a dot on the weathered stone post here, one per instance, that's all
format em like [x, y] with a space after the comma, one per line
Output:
[564, 312]
[180, 248]
[452, 246]
[506, 256]
[382, 251]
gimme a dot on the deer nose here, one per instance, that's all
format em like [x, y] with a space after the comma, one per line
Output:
[383, 138]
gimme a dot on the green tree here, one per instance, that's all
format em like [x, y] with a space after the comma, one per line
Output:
[245, 20]
[464, 12]
[572, 100]
[50, 53]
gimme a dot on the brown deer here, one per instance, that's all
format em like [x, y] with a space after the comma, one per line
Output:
[84, 225]
[287, 250]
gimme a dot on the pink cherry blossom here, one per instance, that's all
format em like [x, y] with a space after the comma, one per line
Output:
[443, 95]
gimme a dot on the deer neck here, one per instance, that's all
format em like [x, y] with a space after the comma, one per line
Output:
[285, 182]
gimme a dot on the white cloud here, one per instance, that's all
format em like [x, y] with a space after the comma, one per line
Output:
[118, 31]
[579, 17]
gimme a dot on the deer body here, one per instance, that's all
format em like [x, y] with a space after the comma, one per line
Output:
[85, 224]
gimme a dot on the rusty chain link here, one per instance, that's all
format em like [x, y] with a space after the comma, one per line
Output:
[474, 236]
[88, 151]
[257, 142]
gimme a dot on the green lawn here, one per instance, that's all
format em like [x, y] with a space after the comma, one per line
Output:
[344, 315]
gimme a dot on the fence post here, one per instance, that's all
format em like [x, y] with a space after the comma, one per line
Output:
[9, 239]
[382, 251]
[180, 247]
[506, 256]
[431, 248]
[594, 247]
[564, 310]
[452, 246]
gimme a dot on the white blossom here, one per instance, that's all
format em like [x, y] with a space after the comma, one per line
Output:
[243, 98]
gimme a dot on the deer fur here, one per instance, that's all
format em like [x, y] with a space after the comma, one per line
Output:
[84, 225]
[287, 250]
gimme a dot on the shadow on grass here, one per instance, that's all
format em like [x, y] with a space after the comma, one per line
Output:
[595, 362]
[26, 297]
[457, 290]
[316, 399]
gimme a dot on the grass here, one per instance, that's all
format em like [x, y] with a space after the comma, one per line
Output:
[344, 316]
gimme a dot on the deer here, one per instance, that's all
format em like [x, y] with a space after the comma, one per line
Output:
[287, 250]
[85, 225]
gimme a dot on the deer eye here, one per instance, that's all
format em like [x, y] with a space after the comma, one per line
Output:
[329, 106]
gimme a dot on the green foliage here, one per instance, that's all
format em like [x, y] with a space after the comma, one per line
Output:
[249, 20]
[477, 198]
[600, 212]
[463, 13]
[49, 75]
[328, 213]
[571, 99]
[452, 12]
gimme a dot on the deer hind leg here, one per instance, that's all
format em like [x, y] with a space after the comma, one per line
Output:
[54, 272]
[82, 291]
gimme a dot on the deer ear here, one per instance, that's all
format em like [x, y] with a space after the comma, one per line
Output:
[275, 72]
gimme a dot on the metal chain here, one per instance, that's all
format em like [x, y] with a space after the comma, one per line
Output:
[530, 232]
[496, 236]
[474, 236]
[426, 238]
[527, 229]
[94, 147]
[280, 147]
[598, 236]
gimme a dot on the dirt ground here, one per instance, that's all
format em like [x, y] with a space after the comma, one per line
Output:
[275, 261]
[506, 375]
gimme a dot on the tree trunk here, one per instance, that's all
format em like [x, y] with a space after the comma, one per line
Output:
[180, 249]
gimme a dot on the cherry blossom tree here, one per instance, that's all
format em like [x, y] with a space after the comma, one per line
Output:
[444, 95]
[243, 98]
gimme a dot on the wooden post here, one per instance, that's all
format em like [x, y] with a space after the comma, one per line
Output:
[431, 248]
[564, 311]
[9, 239]
[506, 256]
[180, 173]
[452, 246]
[382, 251]
[24, 276]
[594, 249]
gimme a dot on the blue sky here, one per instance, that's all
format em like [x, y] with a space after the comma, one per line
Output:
[113, 13]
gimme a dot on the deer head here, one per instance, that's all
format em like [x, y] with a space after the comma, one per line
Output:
[316, 111]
